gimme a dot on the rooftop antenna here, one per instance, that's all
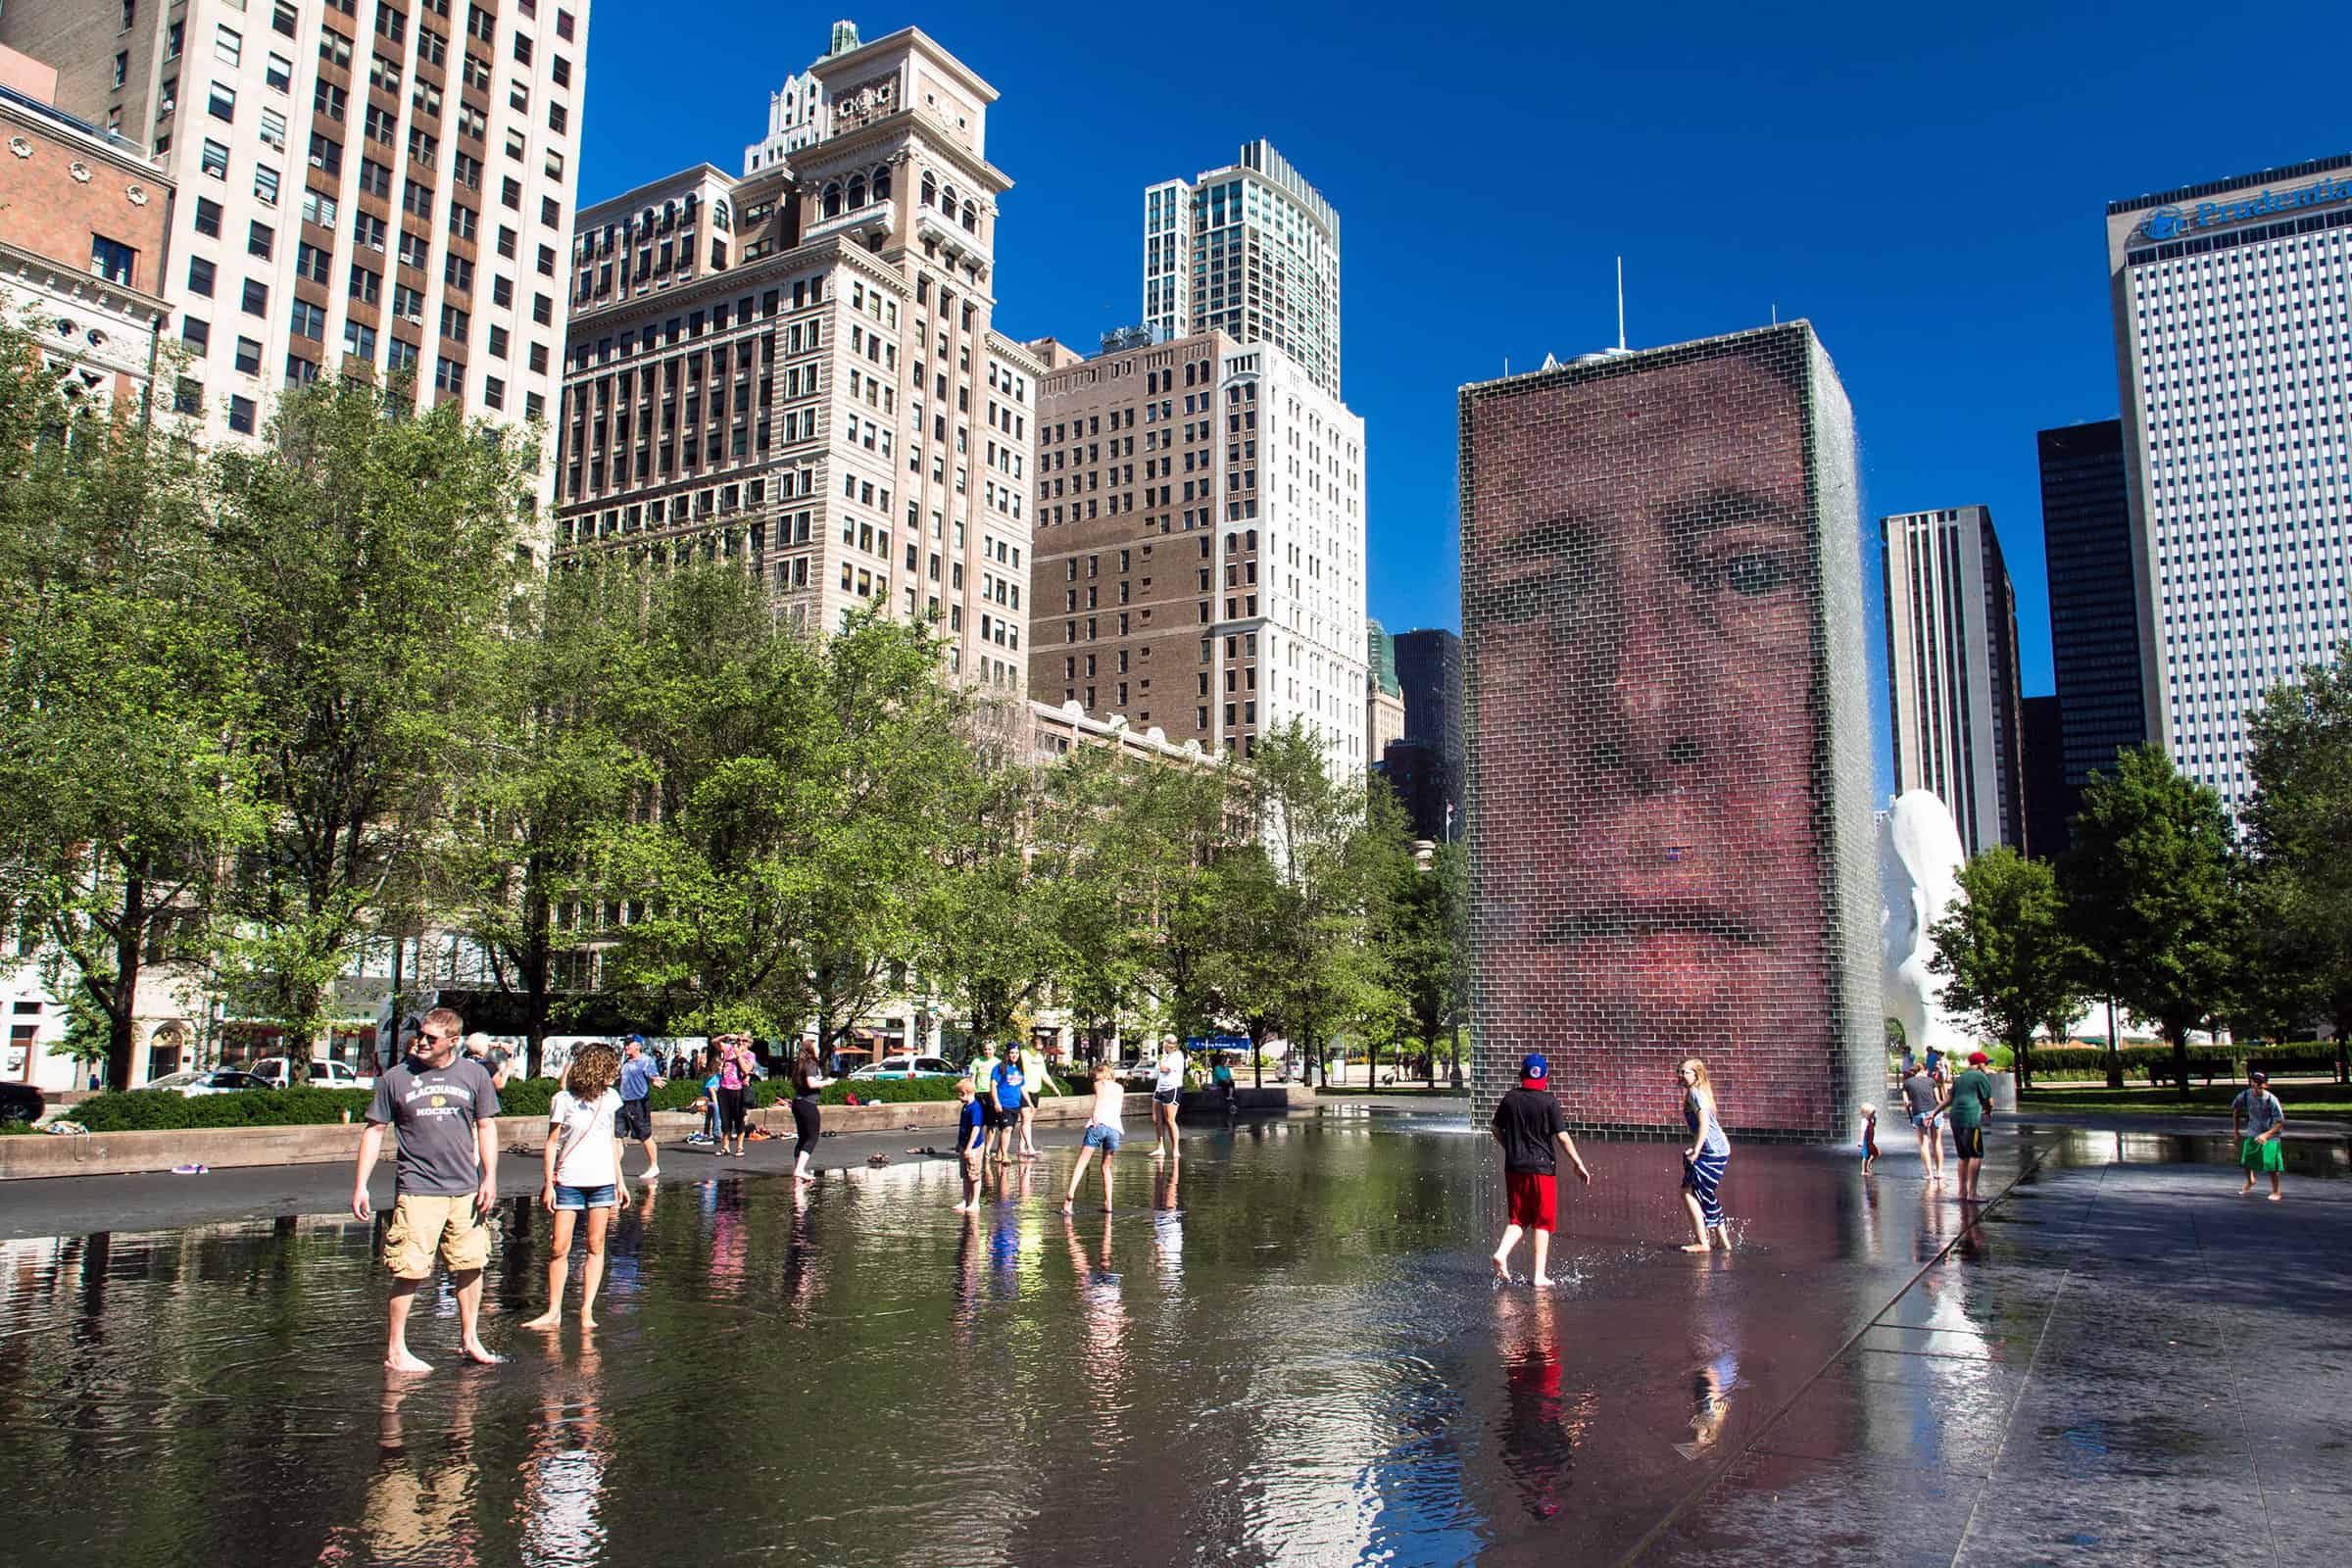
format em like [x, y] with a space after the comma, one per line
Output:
[1620, 305]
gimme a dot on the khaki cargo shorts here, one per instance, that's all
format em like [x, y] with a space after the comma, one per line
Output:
[419, 1220]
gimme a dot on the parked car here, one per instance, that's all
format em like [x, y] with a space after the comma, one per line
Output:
[906, 1067]
[21, 1102]
[217, 1081]
[323, 1074]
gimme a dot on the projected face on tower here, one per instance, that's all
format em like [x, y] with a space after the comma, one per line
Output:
[1641, 574]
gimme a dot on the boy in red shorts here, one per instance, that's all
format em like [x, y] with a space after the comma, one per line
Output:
[1528, 1124]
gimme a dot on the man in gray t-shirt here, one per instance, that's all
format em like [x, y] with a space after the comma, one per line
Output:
[443, 1106]
[2259, 1120]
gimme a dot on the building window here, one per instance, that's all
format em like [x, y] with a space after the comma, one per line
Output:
[310, 320]
[249, 357]
[121, 68]
[112, 259]
[197, 335]
[260, 239]
[359, 340]
[257, 297]
[265, 184]
[200, 276]
[208, 212]
[228, 47]
[214, 160]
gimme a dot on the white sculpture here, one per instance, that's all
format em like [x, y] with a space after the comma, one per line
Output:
[1919, 878]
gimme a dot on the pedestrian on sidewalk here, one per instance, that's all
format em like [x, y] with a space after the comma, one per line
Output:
[1167, 1097]
[1968, 1101]
[984, 1081]
[2258, 1121]
[1705, 1161]
[639, 1076]
[1008, 1088]
[972, 1143]
[582, 1175]
[735, 1078]
[1038, 1081]
[494, 1058]
[808, 1124]
[442, 1107]
[1531, 1129]
[1106, 1130]
[1927, 1118]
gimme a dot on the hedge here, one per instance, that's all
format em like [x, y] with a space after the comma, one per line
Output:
[2090, 1061]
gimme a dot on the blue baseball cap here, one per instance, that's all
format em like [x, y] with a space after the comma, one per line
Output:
[632, 1040]
[1533, 1068]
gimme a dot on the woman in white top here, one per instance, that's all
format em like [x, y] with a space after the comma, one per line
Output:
[583, 1175]
[1036, 1081]
[1105, 1129]
[1167, 1092]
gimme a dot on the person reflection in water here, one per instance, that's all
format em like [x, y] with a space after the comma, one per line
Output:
[421, 1499]
[1711, 1383]
[1640, 572]
[1541, 1425]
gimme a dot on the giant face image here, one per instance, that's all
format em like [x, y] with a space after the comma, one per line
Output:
[1641, 576]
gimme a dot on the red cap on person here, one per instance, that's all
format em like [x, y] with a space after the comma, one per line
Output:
[1978, 1058]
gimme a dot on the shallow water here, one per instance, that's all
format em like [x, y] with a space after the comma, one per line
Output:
[1290, 1353]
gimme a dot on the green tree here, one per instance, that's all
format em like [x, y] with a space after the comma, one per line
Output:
[2299, 830]
[2009, 965]
[542, 783]
[376, 554]
[121, 784]
[985, 930]
[2150, 892]
[1420, 947]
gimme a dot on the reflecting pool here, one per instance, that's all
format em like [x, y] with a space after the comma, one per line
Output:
[1285, 1349]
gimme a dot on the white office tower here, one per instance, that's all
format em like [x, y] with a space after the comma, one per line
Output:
[2230, 307]
[1951, 671]
[1251, 251]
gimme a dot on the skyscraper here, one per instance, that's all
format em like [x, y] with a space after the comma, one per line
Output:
[797, 368]
[2230, 324]
[385, 185]
[1383, 699]
[1951, 669]
[1429, 667]
[1671, 837]
[2049, 804]
[2094, 608]
[1251, 250]
[1199, 544]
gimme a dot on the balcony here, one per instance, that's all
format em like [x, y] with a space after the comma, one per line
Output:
[870, 221]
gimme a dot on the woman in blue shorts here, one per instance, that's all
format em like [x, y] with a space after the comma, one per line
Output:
[583, 1175]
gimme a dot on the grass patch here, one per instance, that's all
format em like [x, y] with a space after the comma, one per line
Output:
[2331, 1100]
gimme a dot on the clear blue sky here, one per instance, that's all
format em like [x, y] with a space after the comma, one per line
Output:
[1927, 185]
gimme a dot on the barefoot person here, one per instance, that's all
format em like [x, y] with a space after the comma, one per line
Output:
[582, 1177]
[639, 1076]
[972, 1143]
[1967, 1102]
[1106, 1130]
[1923, 1097]
[446, 1184]
[2257, 1120]
[1532, 1131]
[1870, 1138]
[1008, 1090]
[1039, 1081]
[1704, 1161]
[807, 1123]
[1167, 1095]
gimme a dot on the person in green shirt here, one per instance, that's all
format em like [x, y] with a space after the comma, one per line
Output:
[1968, 1101]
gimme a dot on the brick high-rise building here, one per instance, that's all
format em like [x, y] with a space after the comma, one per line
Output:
[1199, 562]
[797, 368]
[384, 183]
[1672, 846]
[1951, 671]
[83, 217]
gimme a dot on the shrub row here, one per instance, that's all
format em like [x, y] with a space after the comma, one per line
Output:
[2090, 1061]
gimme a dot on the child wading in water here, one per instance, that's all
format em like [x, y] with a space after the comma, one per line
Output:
[1105, 1129]
[1705, 1161]
[1531, 1129]
[1870, 1138]
[971, 1143]
[583, 1175]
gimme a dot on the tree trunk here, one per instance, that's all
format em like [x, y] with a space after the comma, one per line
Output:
[2115, 1058]
[1257, 1059]
[122, 1004]
[2343, 1045]
[1371, 1064]
[2179, 1036]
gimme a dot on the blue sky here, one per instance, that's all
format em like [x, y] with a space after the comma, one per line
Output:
[1926, 184]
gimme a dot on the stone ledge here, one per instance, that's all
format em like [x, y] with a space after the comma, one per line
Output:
[35, 1154]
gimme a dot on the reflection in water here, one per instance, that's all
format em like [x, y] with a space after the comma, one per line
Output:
[1291, 1355]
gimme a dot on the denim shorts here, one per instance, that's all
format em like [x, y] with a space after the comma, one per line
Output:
[1106, 1139]
[605, 1196]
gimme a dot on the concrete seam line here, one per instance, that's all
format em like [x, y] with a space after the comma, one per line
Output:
[1656, 1532]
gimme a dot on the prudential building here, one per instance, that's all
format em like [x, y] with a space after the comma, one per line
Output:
[2234, 336]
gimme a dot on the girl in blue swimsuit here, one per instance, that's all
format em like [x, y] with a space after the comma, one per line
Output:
[1704, 1161]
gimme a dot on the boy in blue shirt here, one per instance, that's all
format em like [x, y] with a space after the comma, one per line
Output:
[971, 1134]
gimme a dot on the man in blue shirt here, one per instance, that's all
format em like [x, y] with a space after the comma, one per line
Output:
[639, 1076]
[1008, 1083]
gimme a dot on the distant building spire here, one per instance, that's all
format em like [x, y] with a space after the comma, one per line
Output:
[845, 39]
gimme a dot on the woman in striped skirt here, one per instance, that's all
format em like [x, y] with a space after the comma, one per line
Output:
[1704, 1161]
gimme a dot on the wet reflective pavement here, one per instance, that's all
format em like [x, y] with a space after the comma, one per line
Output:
[1289, 1355]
